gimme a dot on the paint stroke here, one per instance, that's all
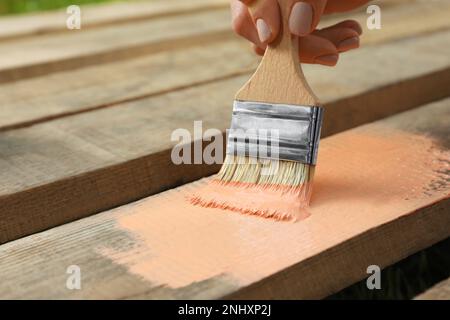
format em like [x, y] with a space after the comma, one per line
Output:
[364, 178]
[282, 203]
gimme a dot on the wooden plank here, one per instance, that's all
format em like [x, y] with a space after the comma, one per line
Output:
[381, 193]
[440, 291]
[30, 57]
[37, 56]
[40, 99]
[44, 98]
[69, 168]
[27, 25]
[21, 106]
[398, 19]
[36, 100]
[97, 15]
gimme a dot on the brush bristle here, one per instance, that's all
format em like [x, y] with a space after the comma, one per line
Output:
[264, 171]
[258, 187]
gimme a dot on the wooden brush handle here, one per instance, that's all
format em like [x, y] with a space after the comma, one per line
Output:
[279, 77]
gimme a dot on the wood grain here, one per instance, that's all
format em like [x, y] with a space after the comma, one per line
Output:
[41, 99]
[70, 168]
[30, 101]
[386, 199]
[279, 77]
[440, 291]
[49, 53]
[97, 15]
[398, 19]
[30, 57]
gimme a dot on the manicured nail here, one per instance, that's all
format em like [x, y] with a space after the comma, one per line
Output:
[357, 28]
[350, 43]
[264, 31]
[301, 18]
[330, 59]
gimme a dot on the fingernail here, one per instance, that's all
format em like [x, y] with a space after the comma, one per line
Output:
[350, 43]
[358, 29]
[301, 18]
[264, 31]
[330, 59]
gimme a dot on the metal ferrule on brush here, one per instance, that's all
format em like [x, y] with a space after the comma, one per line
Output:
[275, 131]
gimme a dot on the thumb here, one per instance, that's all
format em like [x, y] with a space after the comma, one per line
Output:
[305, 16]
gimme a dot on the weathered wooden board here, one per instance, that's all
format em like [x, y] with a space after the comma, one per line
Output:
[62, 94]
[399, 19]
[96, 15]
[70, 168]
[31, 57]
[45, 54]
[440, 291]
[13, 27]
[40, 99]
[381, 193]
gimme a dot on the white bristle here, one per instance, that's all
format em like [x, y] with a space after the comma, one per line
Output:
[265, 171]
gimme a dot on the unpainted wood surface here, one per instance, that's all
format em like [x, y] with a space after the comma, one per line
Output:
[29, 57]
[384, 200]
[61, 94]
[440, 291]
[399, 19]
[96, 15]
[69, 168]
[48, 53]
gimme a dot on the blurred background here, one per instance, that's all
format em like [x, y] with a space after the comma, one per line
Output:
[23, 6]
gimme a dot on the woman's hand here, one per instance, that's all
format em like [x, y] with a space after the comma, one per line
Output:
[317, 46]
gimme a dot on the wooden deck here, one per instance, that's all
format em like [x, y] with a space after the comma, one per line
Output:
[86, 119]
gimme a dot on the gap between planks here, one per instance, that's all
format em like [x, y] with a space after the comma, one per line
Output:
[386, 199]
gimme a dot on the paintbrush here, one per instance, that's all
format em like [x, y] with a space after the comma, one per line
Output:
[273, 141]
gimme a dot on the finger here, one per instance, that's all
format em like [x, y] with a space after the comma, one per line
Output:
[259, 50]
[344, 39]
[342, 6]
[312, 49]
[353, 24]
[266, 17]
[242, 22]
[305, 16]
[315, 49]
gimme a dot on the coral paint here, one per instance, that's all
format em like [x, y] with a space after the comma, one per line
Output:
[364, 178]
[279, 202]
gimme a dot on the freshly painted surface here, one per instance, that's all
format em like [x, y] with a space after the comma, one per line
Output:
[365, 177]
